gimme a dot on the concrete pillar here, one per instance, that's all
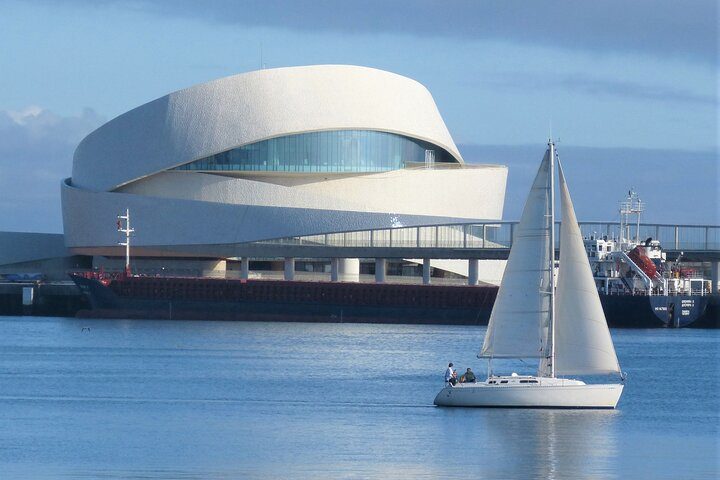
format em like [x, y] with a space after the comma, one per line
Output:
[244, 268]
[426, 271]
[349, 269]
[334, 269]
[289, 268]
[715, 276]
[380, 268]
[28, 299]
[473, 267]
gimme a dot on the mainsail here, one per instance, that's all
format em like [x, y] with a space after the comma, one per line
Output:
[582, 338]
[519, 321]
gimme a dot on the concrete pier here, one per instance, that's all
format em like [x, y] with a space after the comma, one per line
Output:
[244, 268]
[426, 271]
[57, 299]
[349, 269]
[380, 270]
[289, 268]
[334, 269]
[345, 270]
[473, 270]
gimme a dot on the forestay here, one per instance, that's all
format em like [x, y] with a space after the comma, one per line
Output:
[582, 339]
[520, 317]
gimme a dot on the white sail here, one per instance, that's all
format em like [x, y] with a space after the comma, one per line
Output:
[519, 320]
[582, 339]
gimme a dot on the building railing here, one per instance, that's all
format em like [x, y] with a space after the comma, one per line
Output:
[499, 235]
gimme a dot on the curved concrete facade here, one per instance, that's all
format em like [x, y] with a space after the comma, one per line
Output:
[131, 162]
[230, 112]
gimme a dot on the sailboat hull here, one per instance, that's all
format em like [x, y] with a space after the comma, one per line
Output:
[530, 396]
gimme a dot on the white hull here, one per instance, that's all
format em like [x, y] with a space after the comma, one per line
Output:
[530, 396]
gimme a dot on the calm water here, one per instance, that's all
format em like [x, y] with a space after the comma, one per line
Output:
[158, 399]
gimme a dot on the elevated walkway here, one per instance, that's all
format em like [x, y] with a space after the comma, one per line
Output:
[479, 240]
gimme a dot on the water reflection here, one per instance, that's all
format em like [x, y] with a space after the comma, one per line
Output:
[548, 444]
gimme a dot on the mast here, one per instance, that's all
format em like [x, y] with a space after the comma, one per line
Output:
[127, 231]
[551, 327]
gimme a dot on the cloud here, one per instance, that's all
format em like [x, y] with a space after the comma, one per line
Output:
[36, 148]
[596, 86]
[678, 186]
[686, 29]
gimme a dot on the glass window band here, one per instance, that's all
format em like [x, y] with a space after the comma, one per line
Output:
[339, 151]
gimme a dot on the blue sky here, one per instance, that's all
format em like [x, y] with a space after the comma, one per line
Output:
[630, 88]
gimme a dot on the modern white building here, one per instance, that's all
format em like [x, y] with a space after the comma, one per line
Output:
[273, 154]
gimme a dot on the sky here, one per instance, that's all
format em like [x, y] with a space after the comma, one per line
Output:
[628, 89]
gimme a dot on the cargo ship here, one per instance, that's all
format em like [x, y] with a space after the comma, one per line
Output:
[128, 296]
[636, 281]
[644, 290]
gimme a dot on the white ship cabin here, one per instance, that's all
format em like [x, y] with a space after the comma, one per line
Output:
[616, 273]
[654, 250]
[597, 248]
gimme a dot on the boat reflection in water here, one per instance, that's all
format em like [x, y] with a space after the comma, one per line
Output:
[567, 444]
[519, 443]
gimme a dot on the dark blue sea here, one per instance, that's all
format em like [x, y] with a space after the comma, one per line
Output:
[181, 400]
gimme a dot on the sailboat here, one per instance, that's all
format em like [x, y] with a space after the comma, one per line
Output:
[560, 324]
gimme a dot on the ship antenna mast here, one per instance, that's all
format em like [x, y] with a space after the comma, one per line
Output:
[638, 207]
[127, 231]
[632, 205]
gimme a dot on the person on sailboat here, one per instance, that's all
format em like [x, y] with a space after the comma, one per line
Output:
[468, 377]
[450, 374]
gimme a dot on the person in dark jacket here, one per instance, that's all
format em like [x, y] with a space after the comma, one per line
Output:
[469, 377]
